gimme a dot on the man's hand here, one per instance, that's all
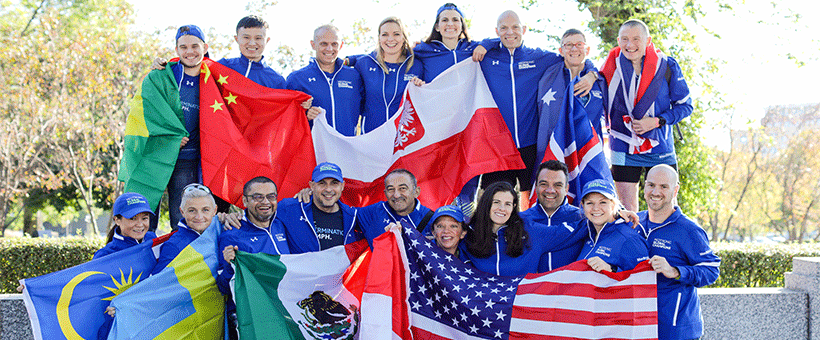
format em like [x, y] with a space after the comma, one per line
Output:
[660, 265]
[229, 253]
[417, 81]
[230, 220]
[597, 264]
[645, 124]
[313, 112]
[159, 64]
[110, 311]
[307, 103]
[478, 53]
[630, 216]
[303, 196]
[393, 225]
[584, 85]
[20, 288]
[183, 142]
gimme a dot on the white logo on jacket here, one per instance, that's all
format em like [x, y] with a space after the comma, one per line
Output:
[344, 84]
[526, 64]
[311, 80]
[604, 251]
[661, 243]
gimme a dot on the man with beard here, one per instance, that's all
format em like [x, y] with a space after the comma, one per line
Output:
[260, 232]
[679, 252]
[402, 206]
[553, 211]
[322, 222]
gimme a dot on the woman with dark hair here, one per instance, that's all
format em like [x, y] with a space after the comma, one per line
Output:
[448, 43]
[131, 218]
[385, 73]
[502, 243]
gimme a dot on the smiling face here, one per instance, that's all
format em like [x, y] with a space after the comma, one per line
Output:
[598, 209]
[633, 41]
[190, 50]
[326, 193]
[574, 50]
[510, 30]
[391, 40]
[327, 45]
[259, 203]
[448, 233]
[401, 193]
[134, 227]
[660, 190]
[501, 208]
[251, 41]
[198, 212]
[551, 189]
[449, 24]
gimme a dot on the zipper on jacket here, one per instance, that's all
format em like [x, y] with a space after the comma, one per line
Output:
[515, 104]
[332, 98]
[250, 62]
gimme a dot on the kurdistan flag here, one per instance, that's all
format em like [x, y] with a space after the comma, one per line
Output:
[306, 296]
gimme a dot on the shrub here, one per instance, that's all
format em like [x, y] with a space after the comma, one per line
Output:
[22, 258]
[758, 265]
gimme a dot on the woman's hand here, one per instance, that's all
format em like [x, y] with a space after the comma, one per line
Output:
[597, 264]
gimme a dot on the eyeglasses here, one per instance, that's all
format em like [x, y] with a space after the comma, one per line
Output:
[195, 186]
[578, 45]
[258, 198]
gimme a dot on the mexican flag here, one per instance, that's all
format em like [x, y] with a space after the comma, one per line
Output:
[306, 296]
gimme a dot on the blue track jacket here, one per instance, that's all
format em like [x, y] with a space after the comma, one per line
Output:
[299, 229]
[373, 218]
[565, 214]
[618, 245]
[339, 93]
[257, 71]
[383, 92]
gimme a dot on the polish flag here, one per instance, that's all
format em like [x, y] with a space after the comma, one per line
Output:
[448, 131]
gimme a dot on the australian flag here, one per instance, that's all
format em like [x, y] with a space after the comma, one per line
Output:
[574, 142]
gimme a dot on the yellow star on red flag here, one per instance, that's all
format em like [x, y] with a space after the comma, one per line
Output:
[231, 98]
[222, 79]
[217, 106]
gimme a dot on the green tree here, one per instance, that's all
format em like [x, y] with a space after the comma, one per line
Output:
[75, 65]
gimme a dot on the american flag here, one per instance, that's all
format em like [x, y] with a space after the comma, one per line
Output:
[433, 295]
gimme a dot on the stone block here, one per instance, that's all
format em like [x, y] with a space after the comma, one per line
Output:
[754, 313]
[14, 324]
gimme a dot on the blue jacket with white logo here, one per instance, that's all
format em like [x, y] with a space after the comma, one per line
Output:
[437, 57]
[594, 102]
[543, 240]
[255, 70]
[513, 80]
[169, 249]
[672, 103]
[119, 242]
[383, 92]
[617, 244]
[339, 93]
[301, 233]
[373, 218]
[249, 238]
[565, 215]
[685, 246]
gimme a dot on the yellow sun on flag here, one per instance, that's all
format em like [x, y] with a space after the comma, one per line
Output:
[123, 284]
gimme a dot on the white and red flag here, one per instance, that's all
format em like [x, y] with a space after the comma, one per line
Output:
[448, 132]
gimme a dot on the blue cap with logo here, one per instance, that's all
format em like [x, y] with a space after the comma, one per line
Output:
[449, 210]
[130, 204]
[446, 7]
[326, 170]
[601, 186]
[190, 30]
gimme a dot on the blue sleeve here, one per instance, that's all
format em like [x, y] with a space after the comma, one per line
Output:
[167, 253]
[292, 83]
[551, 238]
[704, 265]
[490, 43]
[633, 252]
[351, 59]
[225, 270]
[680, 101]
[279, 82]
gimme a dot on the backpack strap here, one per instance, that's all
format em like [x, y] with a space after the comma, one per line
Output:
[424, 221]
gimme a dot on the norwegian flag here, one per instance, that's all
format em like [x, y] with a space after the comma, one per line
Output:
[418, 291]
[575, 143]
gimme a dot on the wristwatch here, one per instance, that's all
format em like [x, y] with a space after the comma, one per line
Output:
[661, 121]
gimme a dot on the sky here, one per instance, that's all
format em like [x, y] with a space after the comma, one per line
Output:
[755, 39]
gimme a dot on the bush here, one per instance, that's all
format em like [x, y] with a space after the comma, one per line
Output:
[22, 258]
[758, 265]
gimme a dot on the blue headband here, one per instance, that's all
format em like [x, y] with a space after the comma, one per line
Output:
[446, 7]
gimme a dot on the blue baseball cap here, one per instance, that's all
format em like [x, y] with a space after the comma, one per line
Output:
[130, 204]
[600, 186]
[325, 170]
[449, 210]
[446, 7]
[190, 30]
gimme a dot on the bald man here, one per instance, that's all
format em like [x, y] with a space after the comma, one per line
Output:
[679, 252]
[513, 71]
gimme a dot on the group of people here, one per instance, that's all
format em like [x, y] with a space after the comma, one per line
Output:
[639, 92]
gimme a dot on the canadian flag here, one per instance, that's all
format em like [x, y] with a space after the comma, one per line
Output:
[448, 131]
